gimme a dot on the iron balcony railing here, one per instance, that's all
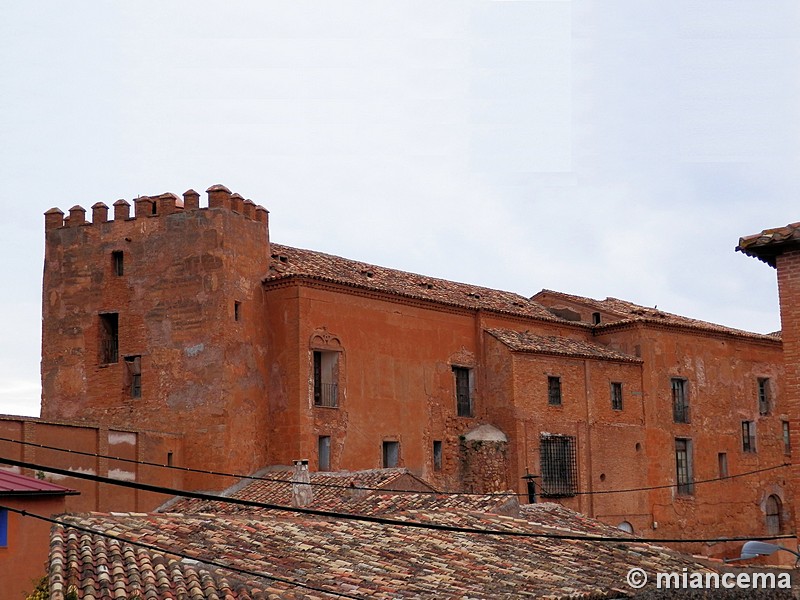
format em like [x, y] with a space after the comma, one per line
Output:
[326, 394]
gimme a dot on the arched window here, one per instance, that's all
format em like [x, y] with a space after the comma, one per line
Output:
[773, 510]
[626, 527]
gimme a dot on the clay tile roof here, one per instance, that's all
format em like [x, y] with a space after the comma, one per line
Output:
[366, 560]
[290, 262]
[523, 341]
[768, 244]
[628, 312]
[12, 484]
[334, 490]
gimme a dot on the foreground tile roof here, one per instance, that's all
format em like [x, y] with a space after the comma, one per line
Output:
[524, 341]
[290, 262]
[768, 244]
[364, 560]
[629, 312]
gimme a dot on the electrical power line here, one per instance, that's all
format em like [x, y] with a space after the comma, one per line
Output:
[384, 490]
[367, 518]
[163, 550]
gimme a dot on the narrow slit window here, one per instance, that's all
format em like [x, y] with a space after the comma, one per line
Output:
[118, 263]
[324, 452]
[134, 369]
[437, 455]
[722, 459]
[169, 459]
[787, 440]
[237, 311]
[616, 395]
[684, 466]
[109, 338]
[554, 391]
[680, 401]
[748, 436]
[763, 396]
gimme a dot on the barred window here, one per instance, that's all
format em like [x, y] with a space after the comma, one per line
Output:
[559, 469]
[748, 436]
[680, 401]
[616, 395]
[773, 513]
[326, 378]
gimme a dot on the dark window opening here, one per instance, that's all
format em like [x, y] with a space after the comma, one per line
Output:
[169, 459]
[437, 455]
[596, 318]
[722, 460]
[391, 454]
[554, 391]
[787, 440]
[109, 338]
[118, 263]
[763, 396]
[324, 452]
[680, 401]
[616, 395]
[559, 469]
[463, 377]
[748, 436]
[237, 310]
[684, 466]
[134, 366]
[326, 378]
[773, 512]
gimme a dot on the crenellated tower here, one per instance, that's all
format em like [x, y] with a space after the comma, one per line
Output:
[155, 320]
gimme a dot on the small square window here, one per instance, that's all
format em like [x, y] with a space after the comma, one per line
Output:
[554, 391]
[616, 395]
[391, 454]
[437, 455]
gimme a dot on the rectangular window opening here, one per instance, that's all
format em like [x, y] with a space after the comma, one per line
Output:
[684, 466]
[134, 372]
[680, 401]
[237, 311]
[109, 338]
[169, 459]
[748, 436]
[763, 396]
[324, 452]
[554, 391]
[559, 469]
[118, 263]
[464, 382]
[787, 440]
[391, 454]
[437, 455]
[326, 378]
[722, 460]
[3, 528]
[616, 395]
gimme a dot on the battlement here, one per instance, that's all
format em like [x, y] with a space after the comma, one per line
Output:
[146, 207]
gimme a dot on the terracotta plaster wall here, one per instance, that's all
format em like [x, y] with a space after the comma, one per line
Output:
[202, 368]
[23, 562]
[721, 374]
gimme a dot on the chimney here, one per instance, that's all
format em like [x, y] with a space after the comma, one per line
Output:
[302, 494]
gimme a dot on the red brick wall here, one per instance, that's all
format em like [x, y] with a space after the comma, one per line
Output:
[201, 367]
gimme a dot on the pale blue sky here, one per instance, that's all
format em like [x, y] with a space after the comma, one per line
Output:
[602, 148]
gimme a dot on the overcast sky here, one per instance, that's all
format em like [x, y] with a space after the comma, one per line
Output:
[601, 148]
